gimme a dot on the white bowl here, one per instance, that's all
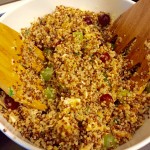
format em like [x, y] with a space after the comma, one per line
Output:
[30, 10]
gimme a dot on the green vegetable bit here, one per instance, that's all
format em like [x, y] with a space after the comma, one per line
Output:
[109, 141]
[11, 92]
[47, 73]
[78, 36]
[123, 93]
[105, 77]
[50, 93]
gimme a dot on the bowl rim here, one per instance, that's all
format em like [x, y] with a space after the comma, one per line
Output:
[16, 139]
[28, 1]
[24, 143]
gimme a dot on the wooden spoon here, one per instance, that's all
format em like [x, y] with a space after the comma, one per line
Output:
[134, 25]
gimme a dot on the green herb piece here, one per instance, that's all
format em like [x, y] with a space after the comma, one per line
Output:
[109, 141]
[50, 93]
[147, 89]
[106, 79]
[48, 51]
[78, 36]
[47, 73]
[11, 92]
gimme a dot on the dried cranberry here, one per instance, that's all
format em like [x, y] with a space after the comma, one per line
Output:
[105, 57]
[107, 98]
[104, 20]
[10, 103]
[88, 20]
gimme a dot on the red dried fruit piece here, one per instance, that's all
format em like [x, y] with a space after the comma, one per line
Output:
[104, 20]
[10, 103]
[105, 57]
[107, 98]
[88, 20]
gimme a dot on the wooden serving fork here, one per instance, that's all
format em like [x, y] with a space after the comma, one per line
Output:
[133, 26]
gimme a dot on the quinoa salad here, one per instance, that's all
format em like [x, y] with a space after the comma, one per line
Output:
[90, 101]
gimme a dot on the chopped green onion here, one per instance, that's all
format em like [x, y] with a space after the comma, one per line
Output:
[50, 93]
[78, 36]
[109, 141]
[47, 73]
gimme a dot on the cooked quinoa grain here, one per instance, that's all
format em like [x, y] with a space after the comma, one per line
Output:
[91, 102]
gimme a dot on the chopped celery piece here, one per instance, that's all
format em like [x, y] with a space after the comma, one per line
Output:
[78, 36]
[50, 93]
[109, 141]
[47, 73]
